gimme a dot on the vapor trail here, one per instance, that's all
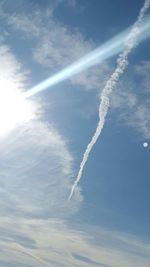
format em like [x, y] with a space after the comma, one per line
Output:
[122, 62]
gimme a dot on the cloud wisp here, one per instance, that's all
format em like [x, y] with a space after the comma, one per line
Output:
[122, 63]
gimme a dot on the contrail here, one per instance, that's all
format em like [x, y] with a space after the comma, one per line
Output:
[122, 62]
[105, 51]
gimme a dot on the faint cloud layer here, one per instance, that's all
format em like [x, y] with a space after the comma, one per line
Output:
[57, 244]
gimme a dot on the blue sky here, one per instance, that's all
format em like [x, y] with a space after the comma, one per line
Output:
[43, 138]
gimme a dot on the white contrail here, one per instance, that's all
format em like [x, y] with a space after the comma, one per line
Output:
[122, 62]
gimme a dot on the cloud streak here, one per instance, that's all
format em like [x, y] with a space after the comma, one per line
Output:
[122, 63]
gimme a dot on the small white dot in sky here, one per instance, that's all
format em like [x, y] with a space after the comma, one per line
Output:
[145, 144]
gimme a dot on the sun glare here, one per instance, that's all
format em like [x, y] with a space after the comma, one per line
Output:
[14, 109]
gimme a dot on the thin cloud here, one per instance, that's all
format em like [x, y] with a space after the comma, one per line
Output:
[142, 71]
[140, 120]
[58, 244]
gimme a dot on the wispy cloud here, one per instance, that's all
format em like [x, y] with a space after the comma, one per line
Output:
[132, 99]
[35, 162]
[142, 71]
[36, 172]
[140, 120]
[55, 243]
[10, 68]
[57, 45]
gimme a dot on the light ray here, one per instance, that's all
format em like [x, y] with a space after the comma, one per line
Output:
[105, 51]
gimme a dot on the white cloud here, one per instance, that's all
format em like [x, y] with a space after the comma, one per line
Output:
[35, 163]
[10, 68]
[36, 172]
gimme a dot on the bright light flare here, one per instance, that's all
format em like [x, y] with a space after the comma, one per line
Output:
[97, 56]
[14, 109]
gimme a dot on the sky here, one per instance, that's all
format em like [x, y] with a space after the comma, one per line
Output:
[44, 135]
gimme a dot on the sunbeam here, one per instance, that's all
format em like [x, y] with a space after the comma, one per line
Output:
[105, 51]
